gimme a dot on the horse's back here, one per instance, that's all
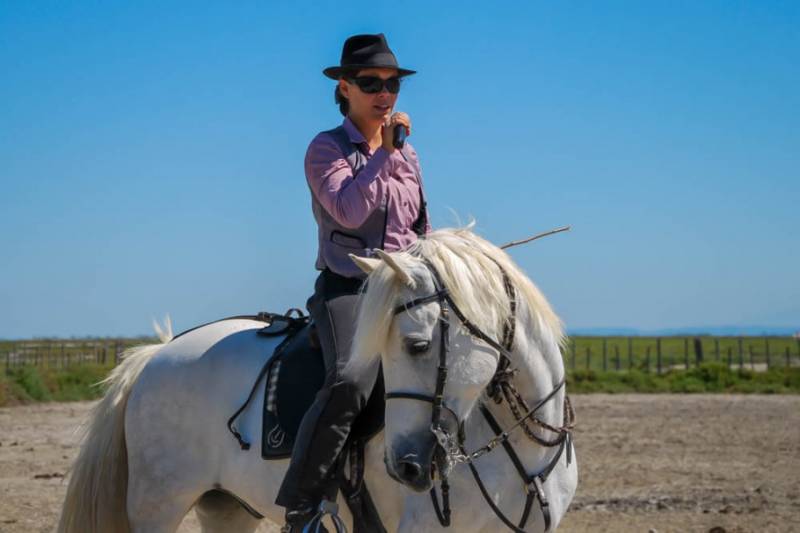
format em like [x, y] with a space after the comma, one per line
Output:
[220, 359]
[187, 392]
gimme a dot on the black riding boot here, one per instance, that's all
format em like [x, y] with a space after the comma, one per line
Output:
[326, 426]
[320, 438]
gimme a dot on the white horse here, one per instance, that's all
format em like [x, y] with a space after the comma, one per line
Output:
[157, 444]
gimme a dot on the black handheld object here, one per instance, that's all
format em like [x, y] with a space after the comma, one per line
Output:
[399, 136]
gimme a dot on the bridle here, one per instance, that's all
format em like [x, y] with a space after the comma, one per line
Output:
[500, 388]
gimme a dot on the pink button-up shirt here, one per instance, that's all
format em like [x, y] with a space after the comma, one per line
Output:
[350, 200]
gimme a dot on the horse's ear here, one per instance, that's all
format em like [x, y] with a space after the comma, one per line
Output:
[367, 264]
[401, 274]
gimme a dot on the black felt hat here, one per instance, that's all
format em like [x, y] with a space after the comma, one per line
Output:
[366, 51]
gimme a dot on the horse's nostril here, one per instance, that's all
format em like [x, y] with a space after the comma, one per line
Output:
[410, 470]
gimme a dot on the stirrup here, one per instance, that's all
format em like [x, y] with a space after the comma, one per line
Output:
[325, 507]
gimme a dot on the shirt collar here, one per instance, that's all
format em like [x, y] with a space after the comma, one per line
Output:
[352, 131]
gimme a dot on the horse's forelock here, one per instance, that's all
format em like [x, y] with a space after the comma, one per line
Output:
[468, 266]
[375, 314]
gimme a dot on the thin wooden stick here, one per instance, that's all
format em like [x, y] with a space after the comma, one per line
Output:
[539, 236]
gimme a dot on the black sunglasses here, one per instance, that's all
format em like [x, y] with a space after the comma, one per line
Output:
[374, 84]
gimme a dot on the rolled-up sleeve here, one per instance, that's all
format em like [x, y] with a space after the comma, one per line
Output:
[347, 199]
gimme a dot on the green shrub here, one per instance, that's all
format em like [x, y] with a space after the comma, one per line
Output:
[36, 384]
[29, 379]
[78, 382]
[708, 377]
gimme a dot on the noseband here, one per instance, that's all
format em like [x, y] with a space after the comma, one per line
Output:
[499, 388]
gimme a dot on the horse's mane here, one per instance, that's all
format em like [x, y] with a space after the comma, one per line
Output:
[468, 266]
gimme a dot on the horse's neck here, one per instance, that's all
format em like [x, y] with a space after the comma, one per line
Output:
[540, 370]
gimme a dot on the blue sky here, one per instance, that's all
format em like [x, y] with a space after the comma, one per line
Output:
[151, 154]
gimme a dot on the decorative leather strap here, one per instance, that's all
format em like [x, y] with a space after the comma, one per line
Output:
[534, 484]
[245, 445]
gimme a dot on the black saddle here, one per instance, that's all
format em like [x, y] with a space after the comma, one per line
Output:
[296, 374]
[292, 377]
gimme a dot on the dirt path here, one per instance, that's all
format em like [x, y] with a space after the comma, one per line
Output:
[687, 463]
[647, 462]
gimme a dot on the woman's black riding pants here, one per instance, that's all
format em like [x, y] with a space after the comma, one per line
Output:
[326, 425]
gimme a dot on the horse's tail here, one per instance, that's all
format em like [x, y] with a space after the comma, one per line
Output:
[98, 485]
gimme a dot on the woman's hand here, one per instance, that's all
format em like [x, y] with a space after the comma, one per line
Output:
[387, 131]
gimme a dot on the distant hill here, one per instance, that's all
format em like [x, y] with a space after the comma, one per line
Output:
[708, 330]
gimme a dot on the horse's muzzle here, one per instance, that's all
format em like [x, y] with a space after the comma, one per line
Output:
[411, 460]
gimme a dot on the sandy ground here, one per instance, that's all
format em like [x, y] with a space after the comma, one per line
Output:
[711, 463]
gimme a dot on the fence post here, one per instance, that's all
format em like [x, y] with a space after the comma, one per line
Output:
[741, 354]
[647, 359]
[766, 350]
[730, 357]
[588, 357]
[658, 355]
[616, 356]
[698, 351]
[750, 352]
[716, 348]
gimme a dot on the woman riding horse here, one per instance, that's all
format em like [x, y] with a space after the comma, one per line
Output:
[366, 194]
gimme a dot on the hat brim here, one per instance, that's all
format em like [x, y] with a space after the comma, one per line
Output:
[335, 72]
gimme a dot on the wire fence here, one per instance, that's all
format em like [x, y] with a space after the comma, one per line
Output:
[646, 354]
[55, 353]
[662, 354]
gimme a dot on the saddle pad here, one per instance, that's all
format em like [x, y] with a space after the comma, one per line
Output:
[296, 373]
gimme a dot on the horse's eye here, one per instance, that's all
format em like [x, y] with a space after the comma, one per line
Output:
[417, 347]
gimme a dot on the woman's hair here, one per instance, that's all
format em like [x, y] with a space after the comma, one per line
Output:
[344, 104]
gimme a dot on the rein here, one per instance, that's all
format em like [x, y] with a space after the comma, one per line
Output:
[498, 389]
